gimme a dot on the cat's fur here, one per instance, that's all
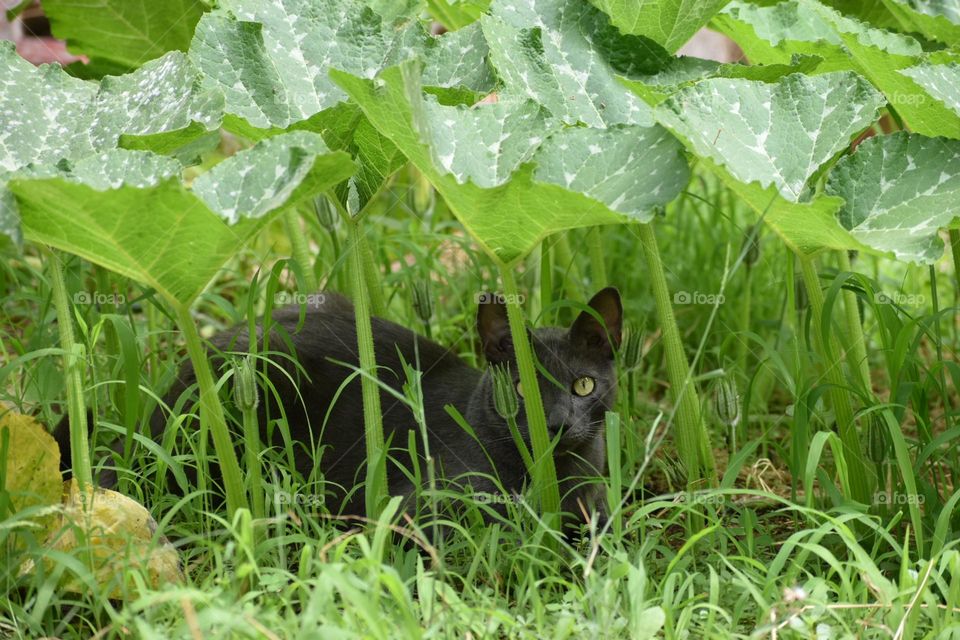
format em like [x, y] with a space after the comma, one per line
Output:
[328, 337]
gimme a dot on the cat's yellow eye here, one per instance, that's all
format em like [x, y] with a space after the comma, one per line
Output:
[519, 389]
[583, 386]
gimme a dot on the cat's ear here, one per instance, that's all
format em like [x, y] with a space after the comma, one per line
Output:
[603, 334]
[494, 329]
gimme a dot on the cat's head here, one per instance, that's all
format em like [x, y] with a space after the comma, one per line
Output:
[580, 383]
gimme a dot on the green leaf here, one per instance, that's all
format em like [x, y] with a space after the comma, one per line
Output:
[48, 117]
[774, 34]
[777, 134]
[935, 19]
[880, 56]
[123, 34]
[165, 235]
[684, 71]
[456, 14]
[270, 58]
[940, 81]
[566, 56]
[899, 191]
[670, 23]
[769, 142]
[512, 157]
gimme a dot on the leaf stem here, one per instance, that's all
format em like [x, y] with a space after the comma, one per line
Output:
[693, 441]
[211, 412]
[545, 472]
[858, 342]
[860, 475]
[73, 370]
[376, 483]
[300, 249]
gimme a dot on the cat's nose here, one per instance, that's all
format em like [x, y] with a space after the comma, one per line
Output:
[554, 429]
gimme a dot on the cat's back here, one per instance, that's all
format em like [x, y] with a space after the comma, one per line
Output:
[327, 331]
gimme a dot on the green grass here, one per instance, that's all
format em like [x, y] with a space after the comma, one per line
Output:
[774, 551]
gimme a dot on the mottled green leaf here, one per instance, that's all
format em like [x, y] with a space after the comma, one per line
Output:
[270, 58]
[684, 71]
[566, 56]
[935, 19]
[670, 23]
[940, 81]
[165, 235]
[123, 34]
[769, 142]
[777, 134]
[774, 34]
[880, 56]
[48, 117]
[899, 191]
[512, 174]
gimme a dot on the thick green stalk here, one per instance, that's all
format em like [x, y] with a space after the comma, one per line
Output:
[546, 280]
[598, 270]
[211, 412]
[955, 251]
[545, 472]
[857, 341]
[861, 478]
[375, 487]
[693, 441]
[301, 251]
[73, 370]
[371, 274]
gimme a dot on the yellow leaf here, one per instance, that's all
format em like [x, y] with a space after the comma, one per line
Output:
[31, 468]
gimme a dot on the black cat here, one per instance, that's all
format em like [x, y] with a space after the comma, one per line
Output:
[580, 361]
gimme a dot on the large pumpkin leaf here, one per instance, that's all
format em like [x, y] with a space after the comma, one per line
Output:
[779, 133]
[48, 118]
[670, 23]
[120, 35]
[936, 19]
[774, 34]
[165, 235]
[270, 61]
[899, 191]
[270, 58]
[510, 172]
[880, 56]
[566, 56]
[941, 81]
[769, 142]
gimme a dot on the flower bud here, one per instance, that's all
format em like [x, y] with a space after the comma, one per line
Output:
[245, 393]
[325, 211]
[505, 400]
[878, 443]
[421, 198]
[631, 351]
[726, 401]
[422, 300]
